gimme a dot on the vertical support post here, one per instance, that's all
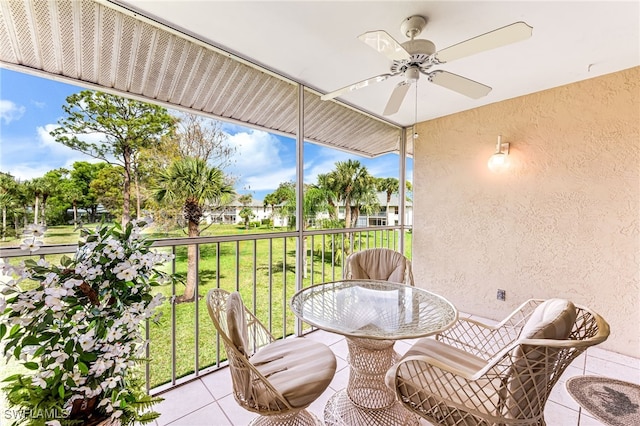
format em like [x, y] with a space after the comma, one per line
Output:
[300, 200]
[403, 185]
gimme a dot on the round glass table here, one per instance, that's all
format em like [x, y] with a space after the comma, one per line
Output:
[372, 315]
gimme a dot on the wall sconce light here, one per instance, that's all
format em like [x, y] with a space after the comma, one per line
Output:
[499, 160]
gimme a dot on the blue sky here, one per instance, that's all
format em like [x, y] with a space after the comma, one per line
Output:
[30, 108]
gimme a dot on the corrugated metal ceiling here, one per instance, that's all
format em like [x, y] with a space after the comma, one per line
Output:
[103, 48]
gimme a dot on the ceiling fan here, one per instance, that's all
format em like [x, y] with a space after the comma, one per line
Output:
[417, 56]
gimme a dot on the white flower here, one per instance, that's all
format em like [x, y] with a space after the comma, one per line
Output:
[71, 283]
[55, 292]
[51, 278]
[127, 274]
[113, 334]
[100, 366]
[53, 423]
[54, 303]
[110, 383]
[3, 304]
[31, 244]
[35, 230]
[87, 341]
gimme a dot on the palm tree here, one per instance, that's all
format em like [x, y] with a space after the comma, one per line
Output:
[327, 185]
[390, 186]
[350, 181]
[198, 184]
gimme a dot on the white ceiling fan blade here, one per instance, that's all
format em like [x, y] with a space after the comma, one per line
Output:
[355, 86]
[382, 42]
[501, 37]
[397, 96]
[459, 84]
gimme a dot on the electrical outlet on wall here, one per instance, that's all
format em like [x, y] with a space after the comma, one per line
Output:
[501, 295]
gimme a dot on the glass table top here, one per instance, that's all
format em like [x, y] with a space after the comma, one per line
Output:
[373, 309]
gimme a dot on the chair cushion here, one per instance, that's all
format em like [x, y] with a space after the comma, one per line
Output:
[300, 369]
[378, 264]
[425, 386]
[237, 322]
[533, 365]
[552, 319]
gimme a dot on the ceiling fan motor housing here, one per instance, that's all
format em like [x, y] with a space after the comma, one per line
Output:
[413, 25]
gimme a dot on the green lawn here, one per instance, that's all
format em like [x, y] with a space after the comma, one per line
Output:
[270, 294]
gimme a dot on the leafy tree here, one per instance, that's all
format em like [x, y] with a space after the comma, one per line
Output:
[82, 174]
[50, 187]
[104, 188]
[71, 192]
[9, 199]
[197, 185]
[124, 126]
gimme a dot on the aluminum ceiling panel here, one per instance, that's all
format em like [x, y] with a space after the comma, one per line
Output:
[99, 45]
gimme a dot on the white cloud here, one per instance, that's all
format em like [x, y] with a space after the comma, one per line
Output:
[269, 181]
[10, 111]
[48, 141]
[258, 163]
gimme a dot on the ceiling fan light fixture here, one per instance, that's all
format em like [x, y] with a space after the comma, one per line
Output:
[412, 74]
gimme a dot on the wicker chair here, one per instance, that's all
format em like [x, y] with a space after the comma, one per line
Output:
[379, 264]
[477, 374]
[277, 379]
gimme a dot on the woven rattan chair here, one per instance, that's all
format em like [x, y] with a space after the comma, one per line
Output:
[477, 374]
[379, 264]
[277, 379]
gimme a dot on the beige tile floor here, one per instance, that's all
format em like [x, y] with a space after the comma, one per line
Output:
[208, 401]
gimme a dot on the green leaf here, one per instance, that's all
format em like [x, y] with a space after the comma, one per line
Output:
[88, 356]
[3, 330]
[12, 378]
[61, 391]
[31, 365]
[14, 330]
[30, 341]
[83, 368]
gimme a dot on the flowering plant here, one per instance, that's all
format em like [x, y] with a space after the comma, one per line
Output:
[79, 328]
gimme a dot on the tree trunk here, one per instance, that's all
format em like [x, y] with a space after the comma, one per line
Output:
[347, 222]
[137, 194]
[192, 255]
[126, 187]
[44, 209]
[36, 211]
[75, 212]
[4, 224]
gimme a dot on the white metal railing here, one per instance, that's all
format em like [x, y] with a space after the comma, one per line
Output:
[261, 266]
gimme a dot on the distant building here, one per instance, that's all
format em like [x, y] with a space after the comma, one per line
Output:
[231, 214]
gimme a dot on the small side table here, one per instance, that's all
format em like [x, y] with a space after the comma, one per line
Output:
[613, 402]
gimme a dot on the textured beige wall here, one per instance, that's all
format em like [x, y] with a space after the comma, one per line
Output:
[563, 221]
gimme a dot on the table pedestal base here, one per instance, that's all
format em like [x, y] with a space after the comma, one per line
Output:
[341, 411]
